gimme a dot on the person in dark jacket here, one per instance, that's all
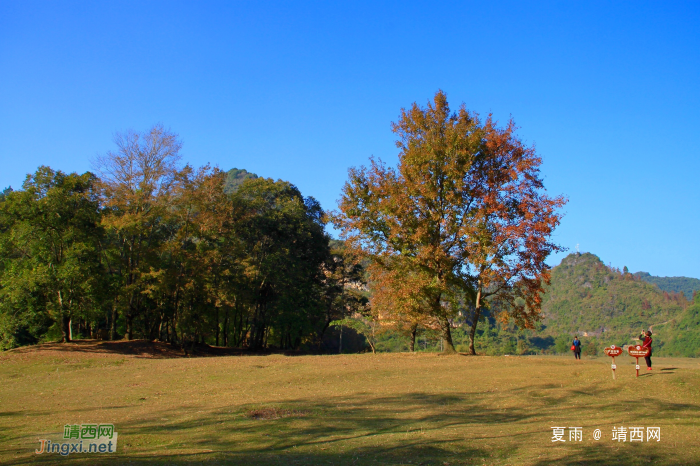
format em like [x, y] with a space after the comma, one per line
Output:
[646, 343]
[577, 347]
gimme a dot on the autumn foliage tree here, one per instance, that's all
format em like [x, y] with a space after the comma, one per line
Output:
[463, 215]
[136, 183]
[510, 230]
[396, 299]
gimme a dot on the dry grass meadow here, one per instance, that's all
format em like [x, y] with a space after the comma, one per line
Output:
[360, 409]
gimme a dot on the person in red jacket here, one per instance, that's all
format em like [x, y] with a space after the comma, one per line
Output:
[646, 343]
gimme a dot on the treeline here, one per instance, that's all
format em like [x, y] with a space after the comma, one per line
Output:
[147, 248]
[460, 229]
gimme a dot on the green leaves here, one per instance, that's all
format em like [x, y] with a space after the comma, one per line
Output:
[285, 247]
[50, 234]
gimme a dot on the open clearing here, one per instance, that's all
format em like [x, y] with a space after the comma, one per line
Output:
[360, 409]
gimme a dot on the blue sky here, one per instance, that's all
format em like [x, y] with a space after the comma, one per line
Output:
[608, 93]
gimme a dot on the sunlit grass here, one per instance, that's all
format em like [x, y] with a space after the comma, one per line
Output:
[349, 409]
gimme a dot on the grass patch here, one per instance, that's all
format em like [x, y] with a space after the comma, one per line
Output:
[383, 409]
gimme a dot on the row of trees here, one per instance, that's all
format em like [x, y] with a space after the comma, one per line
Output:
[145, 248]
[462, 224]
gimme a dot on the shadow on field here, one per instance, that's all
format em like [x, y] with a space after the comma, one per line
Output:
[415, 428]
[141, 349]
[137, 348]
[339, 431]
[457, 427]
[604, 455]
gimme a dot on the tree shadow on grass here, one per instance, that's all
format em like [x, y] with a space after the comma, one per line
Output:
[412, 428]
[601, 454]
[142, 349]
[406, 429]
[137, 348]
[408, 455]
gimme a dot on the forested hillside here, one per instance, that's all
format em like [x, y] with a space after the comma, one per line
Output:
[593, 300]
[683, 334]
[686, 285]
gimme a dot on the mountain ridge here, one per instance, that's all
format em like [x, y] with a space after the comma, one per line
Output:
[687, 285]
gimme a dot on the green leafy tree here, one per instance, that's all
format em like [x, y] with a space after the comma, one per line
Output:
[50, 248]
[156, 251]
[366, 326]
[344, 288]
[285, 246]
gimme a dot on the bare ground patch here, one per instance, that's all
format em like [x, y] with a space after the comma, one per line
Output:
[274, 413]
[122, 348]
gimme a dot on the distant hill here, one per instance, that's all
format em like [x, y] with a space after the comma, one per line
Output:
[235, 177]
[685, 285]
[592, 300]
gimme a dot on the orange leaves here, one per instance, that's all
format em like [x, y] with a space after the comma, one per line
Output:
[464, 211]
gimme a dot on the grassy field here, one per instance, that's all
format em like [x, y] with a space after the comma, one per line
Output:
[384, 409]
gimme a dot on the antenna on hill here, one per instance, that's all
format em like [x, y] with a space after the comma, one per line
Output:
[577, 249]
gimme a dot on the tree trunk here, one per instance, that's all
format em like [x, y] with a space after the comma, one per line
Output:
[444, 322]
[340, 345]
[412, 345]
[65, 328]
[218, 329]
[129, 326]
[475, 322]
[113, 329]
[160, 327]
[253, 330]
[154, 331]
[65, 321]
[472, 332]
[226, 324]
[446, 335]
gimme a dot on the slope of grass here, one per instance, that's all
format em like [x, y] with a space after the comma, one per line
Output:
[346, 409]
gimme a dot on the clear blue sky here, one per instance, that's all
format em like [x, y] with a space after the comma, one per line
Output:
[609, 92]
